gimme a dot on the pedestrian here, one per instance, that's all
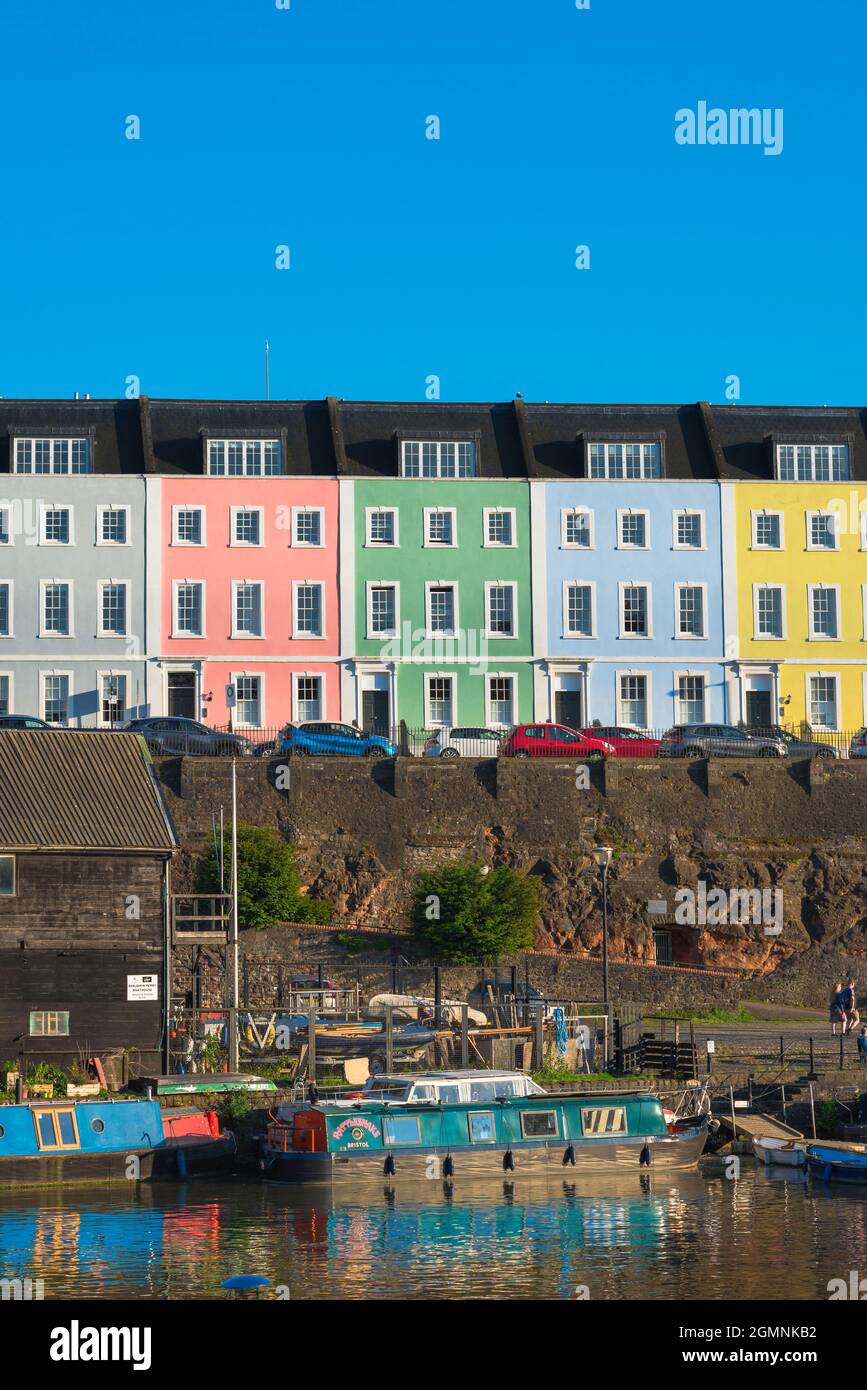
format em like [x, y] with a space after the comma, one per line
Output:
[851, 1006]
[836, 1012]
[862, 1046]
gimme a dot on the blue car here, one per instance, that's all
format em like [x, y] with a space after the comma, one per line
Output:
[344, 740]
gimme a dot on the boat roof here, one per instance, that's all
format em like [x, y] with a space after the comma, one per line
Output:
[482, 1074]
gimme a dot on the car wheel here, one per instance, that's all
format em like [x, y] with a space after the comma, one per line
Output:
[375, 753]
[154, 747]
[450, 753]
[695, 753]
[520, 753]
[825, 753]
[768, 753]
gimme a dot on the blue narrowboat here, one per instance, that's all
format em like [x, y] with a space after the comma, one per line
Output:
[49, 1142]
[465, 1126]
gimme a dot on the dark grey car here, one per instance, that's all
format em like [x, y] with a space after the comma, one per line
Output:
[718, 741]
[799, 747]
[168, 734]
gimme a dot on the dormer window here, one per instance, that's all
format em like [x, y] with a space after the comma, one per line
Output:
[625, 461]
[436, 458]
[813, 463]
[52, 455]
[244, 458]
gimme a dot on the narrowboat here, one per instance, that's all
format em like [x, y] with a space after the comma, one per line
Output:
[43, 1143]
[471, 1125]
[835, 1162]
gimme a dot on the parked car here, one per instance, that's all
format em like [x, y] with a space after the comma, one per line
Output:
[465, 742]
[22, 721]
[170, 734]
[553, 741]
[718, 741]
[627, 743]
[321, 736]
[858, 746]
[799, 747]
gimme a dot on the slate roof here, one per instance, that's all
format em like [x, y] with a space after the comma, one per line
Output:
[62, 789]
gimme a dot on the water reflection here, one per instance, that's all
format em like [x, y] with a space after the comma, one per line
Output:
[769, 1235]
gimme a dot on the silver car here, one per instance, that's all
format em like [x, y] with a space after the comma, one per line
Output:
[718, 741]
[468, 741]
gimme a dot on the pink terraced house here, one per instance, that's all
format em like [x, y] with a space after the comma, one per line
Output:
[248, 585]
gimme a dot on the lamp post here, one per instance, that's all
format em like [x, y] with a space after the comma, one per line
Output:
[603, 855]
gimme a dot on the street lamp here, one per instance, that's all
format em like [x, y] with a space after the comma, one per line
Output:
[603, 855]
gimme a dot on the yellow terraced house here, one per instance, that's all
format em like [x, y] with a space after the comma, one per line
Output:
[795, 573]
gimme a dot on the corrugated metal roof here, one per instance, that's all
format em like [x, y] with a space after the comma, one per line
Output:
[68, 789]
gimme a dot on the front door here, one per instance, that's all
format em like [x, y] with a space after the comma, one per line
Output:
[567, 708]
[374, 711]
[181, 687]
[759, 709]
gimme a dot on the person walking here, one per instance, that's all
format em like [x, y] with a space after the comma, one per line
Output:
[862, 1046]
[836, 1012]
[850, 1004]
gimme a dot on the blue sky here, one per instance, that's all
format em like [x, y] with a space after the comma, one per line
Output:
[412, 257]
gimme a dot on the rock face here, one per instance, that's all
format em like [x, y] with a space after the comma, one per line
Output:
[759, 866]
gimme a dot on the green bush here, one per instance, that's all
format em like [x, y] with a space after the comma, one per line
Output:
[465, 916]
[269, 889]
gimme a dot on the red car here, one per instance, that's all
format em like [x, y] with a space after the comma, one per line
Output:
[627, 743]
[553, 741]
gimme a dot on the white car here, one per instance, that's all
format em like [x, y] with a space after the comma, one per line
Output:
[469, 741]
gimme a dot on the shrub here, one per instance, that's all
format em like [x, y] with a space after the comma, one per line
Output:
[465, 916]
[269, 889]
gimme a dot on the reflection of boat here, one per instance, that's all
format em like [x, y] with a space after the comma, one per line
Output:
[48, 1142]
[787, 1153]
[838, 1162]
[493, 1130]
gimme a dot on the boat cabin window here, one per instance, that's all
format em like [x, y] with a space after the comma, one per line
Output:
[506, 1088]
[608, 1119]
[539, 1124]
[450, 1095]
[400, 1129]
[387, 1090]
[481, 1127]
[424, 1093]
[56, 1129]
[483, 1090]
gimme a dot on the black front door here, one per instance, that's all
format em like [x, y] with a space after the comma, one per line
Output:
[567, 708]
[182, 694]
[374, 711]
[759, 709]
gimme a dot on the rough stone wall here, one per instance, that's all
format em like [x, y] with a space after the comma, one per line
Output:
[364, 830]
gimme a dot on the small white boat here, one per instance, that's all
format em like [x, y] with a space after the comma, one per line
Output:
[785, 1153]
[411, 1002]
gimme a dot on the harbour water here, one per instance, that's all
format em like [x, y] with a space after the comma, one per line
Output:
[761, 1237]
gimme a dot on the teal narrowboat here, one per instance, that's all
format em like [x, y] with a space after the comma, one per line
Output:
[493, 1127]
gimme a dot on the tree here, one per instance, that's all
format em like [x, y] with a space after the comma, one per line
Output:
[465, 916]
[269, 889]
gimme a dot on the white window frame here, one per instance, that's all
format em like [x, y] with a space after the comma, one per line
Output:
[825, 676]
[236, 632]
[308, 675]
[690, 584]
[178, 631]
[43, 631]
[308, 636]
[607, 445]
[835, 530]
[502, 676]
[382, 545]
[442, 584]
[112, 674]
[10, 585]
[438, 445]
[10, 679]
[70, 691]
[764, 636]
[427, 543]
[234, 513]
[583, 584]
[501, 584]
[428, 676]
[247, 443]
[648, 697]
[53, 440]
[235, 676]
[7, 511]
[101, 585]
[179, 507]
[863, 529]
[632, 511]
[812, 635]
[369, 588]
[622, 586]
[767, 511]
[488, 544]
[591, 527]
[307, 545]
[108, 508]
[830, 445]
[691, 675]
[702, 527]
[44, 509]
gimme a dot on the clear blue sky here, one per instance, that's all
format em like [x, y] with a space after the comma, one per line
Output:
[412, 257]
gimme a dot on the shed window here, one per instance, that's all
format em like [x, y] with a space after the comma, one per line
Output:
[49, 1023]
[7, 875]
[539, 1124]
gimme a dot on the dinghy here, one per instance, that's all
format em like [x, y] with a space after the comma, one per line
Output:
[838, 1162]
[786, 1153]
